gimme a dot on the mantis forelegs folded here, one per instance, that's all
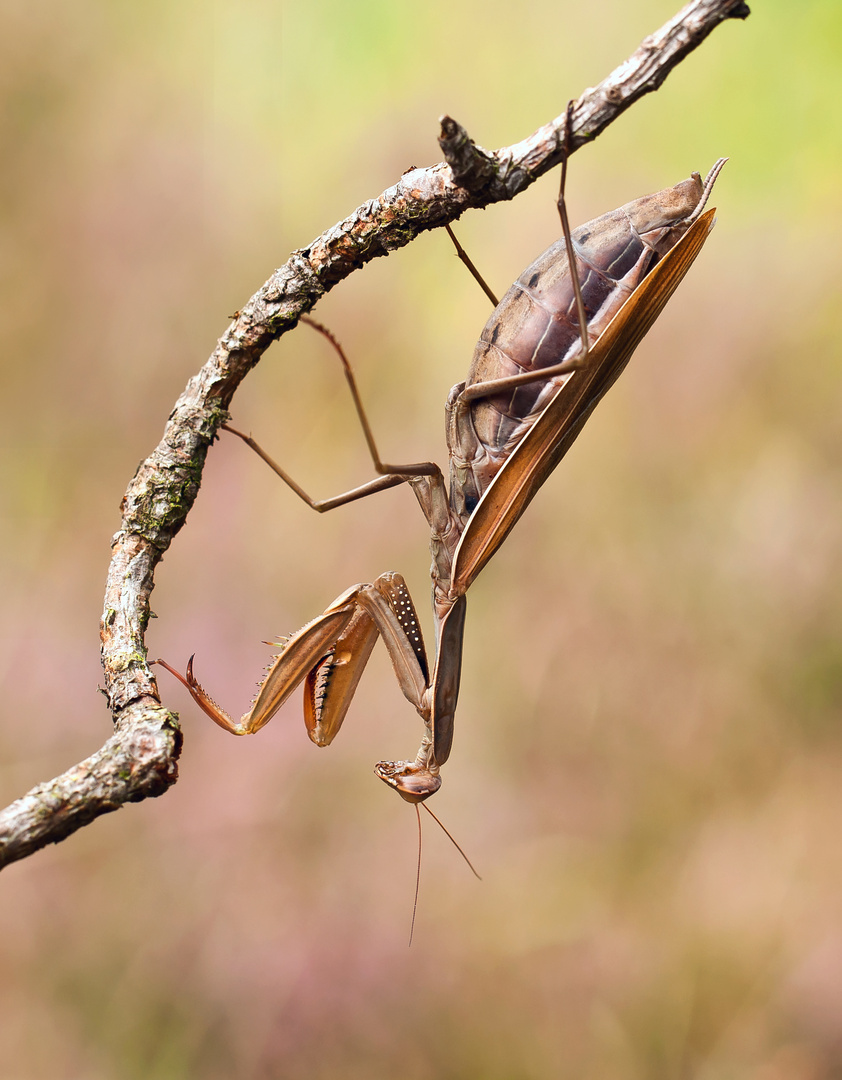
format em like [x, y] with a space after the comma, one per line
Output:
[329, 656]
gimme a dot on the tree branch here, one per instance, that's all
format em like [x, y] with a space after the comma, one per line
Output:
[139, 760]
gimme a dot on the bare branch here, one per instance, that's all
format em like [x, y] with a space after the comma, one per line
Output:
[139, 760]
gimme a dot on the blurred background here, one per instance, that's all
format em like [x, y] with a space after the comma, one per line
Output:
[649, 744]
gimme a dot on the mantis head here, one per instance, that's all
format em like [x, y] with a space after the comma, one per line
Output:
[412, 781]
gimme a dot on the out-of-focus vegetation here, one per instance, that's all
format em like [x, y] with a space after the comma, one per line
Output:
[649, 746]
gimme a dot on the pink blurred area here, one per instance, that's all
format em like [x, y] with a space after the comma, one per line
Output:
[649, 742]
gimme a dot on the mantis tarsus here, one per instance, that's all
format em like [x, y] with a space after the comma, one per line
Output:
[549, 352]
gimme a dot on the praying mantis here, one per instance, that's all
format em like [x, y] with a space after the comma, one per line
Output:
[551, 349]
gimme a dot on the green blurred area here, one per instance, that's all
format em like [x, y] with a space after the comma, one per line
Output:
[649, 742]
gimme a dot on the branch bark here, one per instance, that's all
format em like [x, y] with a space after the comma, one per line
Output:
[140, 759]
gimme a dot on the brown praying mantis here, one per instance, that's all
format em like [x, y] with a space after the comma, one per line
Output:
[551, 349]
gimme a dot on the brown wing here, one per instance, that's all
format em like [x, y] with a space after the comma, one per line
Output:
[553, 433]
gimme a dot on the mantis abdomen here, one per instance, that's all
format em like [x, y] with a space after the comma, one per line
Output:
[536, 325]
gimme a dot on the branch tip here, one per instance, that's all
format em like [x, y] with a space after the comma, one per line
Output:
[470, 165]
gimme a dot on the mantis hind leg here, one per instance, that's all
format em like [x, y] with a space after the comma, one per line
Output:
[568, 238]
[466, 259]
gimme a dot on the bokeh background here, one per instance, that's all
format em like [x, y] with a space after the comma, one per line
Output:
[649, 746]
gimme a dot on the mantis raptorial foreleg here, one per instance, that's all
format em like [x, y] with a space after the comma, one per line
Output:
[329, 655]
